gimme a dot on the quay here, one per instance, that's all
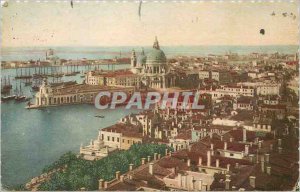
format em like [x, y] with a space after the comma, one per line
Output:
[55, 95]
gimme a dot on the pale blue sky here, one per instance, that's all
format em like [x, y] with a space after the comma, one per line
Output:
[118, 24]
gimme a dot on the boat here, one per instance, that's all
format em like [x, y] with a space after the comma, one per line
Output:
[35, 88]
[70, 74]
[8, 98]
[20, 98]
[6, 86]
[99, 116]
[19, 95]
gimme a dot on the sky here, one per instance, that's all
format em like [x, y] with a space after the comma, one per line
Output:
[94, 23]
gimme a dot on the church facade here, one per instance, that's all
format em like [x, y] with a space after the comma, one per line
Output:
[146, 71]
[152, 68]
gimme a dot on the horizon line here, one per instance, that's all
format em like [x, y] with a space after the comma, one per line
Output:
[145, 45]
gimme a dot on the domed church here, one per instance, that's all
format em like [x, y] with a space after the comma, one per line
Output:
[152, 67]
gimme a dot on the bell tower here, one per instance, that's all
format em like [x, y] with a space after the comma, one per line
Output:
[133, 59]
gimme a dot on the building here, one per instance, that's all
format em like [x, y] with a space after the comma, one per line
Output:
[264, 88]
[151, 70]
[233, 91]
[53, 95]
[243, 103]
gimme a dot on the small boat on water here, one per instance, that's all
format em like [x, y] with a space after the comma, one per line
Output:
[20, 98]
[99, 116]
[8, 98]
[35, 88]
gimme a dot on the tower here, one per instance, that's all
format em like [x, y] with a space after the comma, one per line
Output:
[156, 44]
[133, 59]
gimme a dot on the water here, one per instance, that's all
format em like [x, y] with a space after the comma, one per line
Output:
[32, 139]
[27, 53]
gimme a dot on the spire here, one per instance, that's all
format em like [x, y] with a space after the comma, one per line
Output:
[155, 44]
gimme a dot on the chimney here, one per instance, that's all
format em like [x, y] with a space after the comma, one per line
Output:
[166, 152]
[259, 144]
[231, 139]
[212, 146]
[233, 188]
[236, 165]
[244, 135]
[227, 176]
[101, 183]
[221, 137]
[122, 178]
[151, 168]
[227, 184]
[251, 158]
[208, 158]
[149, 158]
[191, 187]
[279, 150]
[200, 185]
[269, 170]
[228, 167]
[130, 167]
[105, 184]
[225, 145]
[262, 163]
[271, 147]
[267, 158]
[155, 156]
[246, 149]
[159, 155]
[200, 161]
[279, 142]
[252, 181]
[118, 173]
[179, 180]
[217, 163]
[210, 135]
[188, 162]
[143, 161]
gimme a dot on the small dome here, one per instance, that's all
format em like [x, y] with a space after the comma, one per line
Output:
[156, 56]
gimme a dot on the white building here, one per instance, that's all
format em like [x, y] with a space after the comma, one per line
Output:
[233, 91]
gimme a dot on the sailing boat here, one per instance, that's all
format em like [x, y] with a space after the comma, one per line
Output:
[19, 95]
[27, 80]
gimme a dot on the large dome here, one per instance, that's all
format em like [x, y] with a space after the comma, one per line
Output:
[156, 56]
[142, 59]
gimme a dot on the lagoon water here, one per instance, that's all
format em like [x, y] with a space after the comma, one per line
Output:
[27, 53]
[32, 139]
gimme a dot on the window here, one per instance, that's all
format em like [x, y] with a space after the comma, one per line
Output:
[128, 141]
[118, 140]
[113, 139]
[108, 138]
[123, 140]
[231, 154]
